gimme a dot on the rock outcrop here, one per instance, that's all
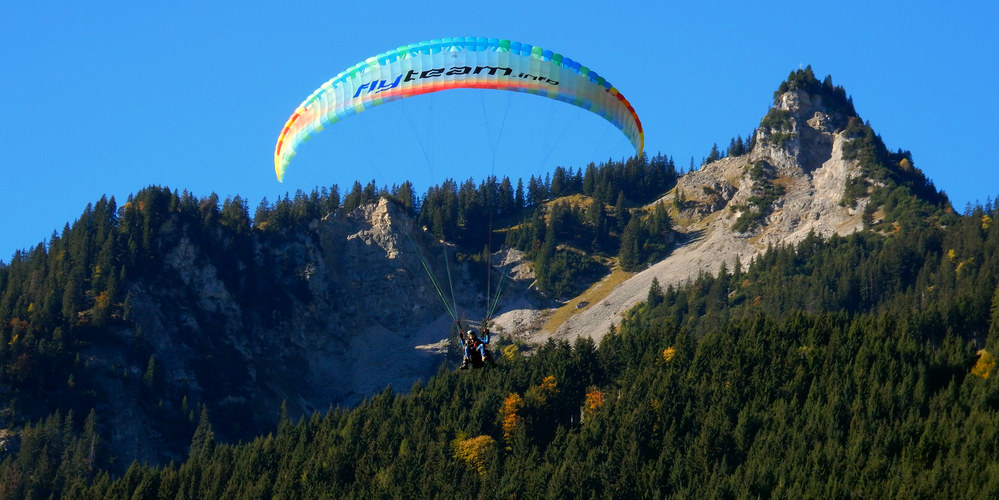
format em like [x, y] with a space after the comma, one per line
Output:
[351, 311]
[796, 167]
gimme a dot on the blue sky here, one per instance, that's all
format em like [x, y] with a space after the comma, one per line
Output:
[109, 97]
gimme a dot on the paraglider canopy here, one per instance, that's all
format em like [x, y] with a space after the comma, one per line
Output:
[450, 63]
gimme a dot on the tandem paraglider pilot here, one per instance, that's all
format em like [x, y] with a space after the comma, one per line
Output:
[475, 349]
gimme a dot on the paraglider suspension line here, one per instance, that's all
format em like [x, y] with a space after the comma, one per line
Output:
[433, 280]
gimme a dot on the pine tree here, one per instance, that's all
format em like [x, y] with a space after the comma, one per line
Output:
[714, 155]
[655, 296]
[203, 440]
[354, 199]
[590, 183]
[630, 254]
[620, 212]
[992, 341]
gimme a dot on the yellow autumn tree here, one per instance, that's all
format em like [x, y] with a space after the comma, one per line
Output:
[510, 352]
[668, 354]
[986, 362]
[538, 396]
[475, 451]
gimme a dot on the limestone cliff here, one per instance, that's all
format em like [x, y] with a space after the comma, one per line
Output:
[349, 308]
[790, 184]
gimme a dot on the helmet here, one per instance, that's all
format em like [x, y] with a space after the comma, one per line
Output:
[471, 331]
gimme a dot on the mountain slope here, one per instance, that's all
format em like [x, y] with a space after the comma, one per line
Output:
[169, 305]
[880, 387]
[799, 178]
[165, 306]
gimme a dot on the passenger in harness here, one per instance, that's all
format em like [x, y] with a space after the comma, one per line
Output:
[473, 345]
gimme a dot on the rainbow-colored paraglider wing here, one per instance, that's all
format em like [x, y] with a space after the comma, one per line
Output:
[447, 63]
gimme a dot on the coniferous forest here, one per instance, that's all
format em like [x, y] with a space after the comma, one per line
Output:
[852, 366]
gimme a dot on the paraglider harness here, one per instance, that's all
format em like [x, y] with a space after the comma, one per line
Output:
[472, 346]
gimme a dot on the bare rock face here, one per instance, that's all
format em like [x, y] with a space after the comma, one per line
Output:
[798, 153]
[343, 309]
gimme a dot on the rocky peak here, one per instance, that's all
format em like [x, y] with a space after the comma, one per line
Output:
[804, 106]
[798, 130]
[794, 176]
[789, 185]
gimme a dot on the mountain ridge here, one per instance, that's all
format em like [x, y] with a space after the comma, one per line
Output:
[239, 317]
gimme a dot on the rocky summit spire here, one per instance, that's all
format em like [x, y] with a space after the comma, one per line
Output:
[805, 115]
[795, 179]
[813, 168]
